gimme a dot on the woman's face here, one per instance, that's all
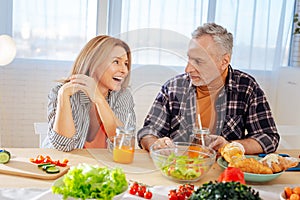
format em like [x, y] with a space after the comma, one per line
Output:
[115, 70]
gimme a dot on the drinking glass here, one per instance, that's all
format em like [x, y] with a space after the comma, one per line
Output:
[200, 136]
[124, 145]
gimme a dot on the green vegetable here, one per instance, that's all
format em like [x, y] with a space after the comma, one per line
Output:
[4, 156]
[87, 182]
[224, 191]
[43, 164]
[45, 167]
[52, 170]
[183, 167]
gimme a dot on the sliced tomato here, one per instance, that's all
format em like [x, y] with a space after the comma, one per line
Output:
[47, 160]
[65, 161]
[62, 164]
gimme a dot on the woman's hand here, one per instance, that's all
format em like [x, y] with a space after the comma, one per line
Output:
[81, 82]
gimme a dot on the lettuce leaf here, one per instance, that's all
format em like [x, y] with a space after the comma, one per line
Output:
[92, 182]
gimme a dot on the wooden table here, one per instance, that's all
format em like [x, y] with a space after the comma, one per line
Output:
[142, 169]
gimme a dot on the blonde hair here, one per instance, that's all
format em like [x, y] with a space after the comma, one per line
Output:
[94, 54]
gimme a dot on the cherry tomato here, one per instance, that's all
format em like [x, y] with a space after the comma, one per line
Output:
[148, 195]
[141, 193]
[132, 191]
[180, 196]
[135, 185]
[173, 197]
[142, 188]
[188, 193]
[182, 192]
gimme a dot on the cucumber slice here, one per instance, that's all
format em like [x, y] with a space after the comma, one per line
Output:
[4, 156]
[43, 164]
[45, 167]
[52, 170]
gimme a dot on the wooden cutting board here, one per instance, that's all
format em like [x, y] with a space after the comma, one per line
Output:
[19, 166]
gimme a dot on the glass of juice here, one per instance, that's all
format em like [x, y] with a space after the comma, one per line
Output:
[200, 136]
[124, 145]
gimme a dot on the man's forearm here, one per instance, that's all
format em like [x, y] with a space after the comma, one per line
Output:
[251, 146]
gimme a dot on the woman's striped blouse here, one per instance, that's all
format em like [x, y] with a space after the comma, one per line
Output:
[121, 102]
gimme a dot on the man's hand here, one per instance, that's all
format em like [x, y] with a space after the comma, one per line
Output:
[216, 142]
[163, 143]
[149, 140]
[251, 146]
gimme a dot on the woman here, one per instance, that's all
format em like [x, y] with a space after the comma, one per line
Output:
[85, 109]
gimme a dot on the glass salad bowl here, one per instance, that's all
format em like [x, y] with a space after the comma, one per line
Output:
[184, 162]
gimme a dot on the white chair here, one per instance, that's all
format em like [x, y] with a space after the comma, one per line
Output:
[41, 128]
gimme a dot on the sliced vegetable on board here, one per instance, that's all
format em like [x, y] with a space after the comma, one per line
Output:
[40, 159]
[4, 156]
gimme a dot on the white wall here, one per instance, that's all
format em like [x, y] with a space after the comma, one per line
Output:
[24, 87]
[283, 91]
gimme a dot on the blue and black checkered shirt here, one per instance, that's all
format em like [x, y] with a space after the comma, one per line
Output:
[242, 111]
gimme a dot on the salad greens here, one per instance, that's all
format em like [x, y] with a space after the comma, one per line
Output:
[92, 182]
[183, 167]
[225, 190]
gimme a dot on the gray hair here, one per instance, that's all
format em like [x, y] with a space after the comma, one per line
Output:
[220, 35]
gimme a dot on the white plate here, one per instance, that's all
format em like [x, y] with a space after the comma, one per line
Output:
[282, 196]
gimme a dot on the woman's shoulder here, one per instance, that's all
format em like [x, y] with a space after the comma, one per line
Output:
[54, 89]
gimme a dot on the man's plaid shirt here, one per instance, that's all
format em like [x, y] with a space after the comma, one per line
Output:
[242, 111]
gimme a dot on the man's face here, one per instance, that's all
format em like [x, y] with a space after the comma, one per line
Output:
[204, 65]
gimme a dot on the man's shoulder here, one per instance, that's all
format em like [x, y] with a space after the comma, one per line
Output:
[178, 80]
[243, 78]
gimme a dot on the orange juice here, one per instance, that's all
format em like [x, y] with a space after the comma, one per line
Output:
[192, 153]
[123, 155]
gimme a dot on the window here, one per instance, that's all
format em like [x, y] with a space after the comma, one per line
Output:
[261, 29]
[157, 30]
[55, 29]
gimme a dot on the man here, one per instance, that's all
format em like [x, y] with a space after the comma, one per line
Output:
[228, 102]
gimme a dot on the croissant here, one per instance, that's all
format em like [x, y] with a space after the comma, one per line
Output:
[251, 165]
[278, 163]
